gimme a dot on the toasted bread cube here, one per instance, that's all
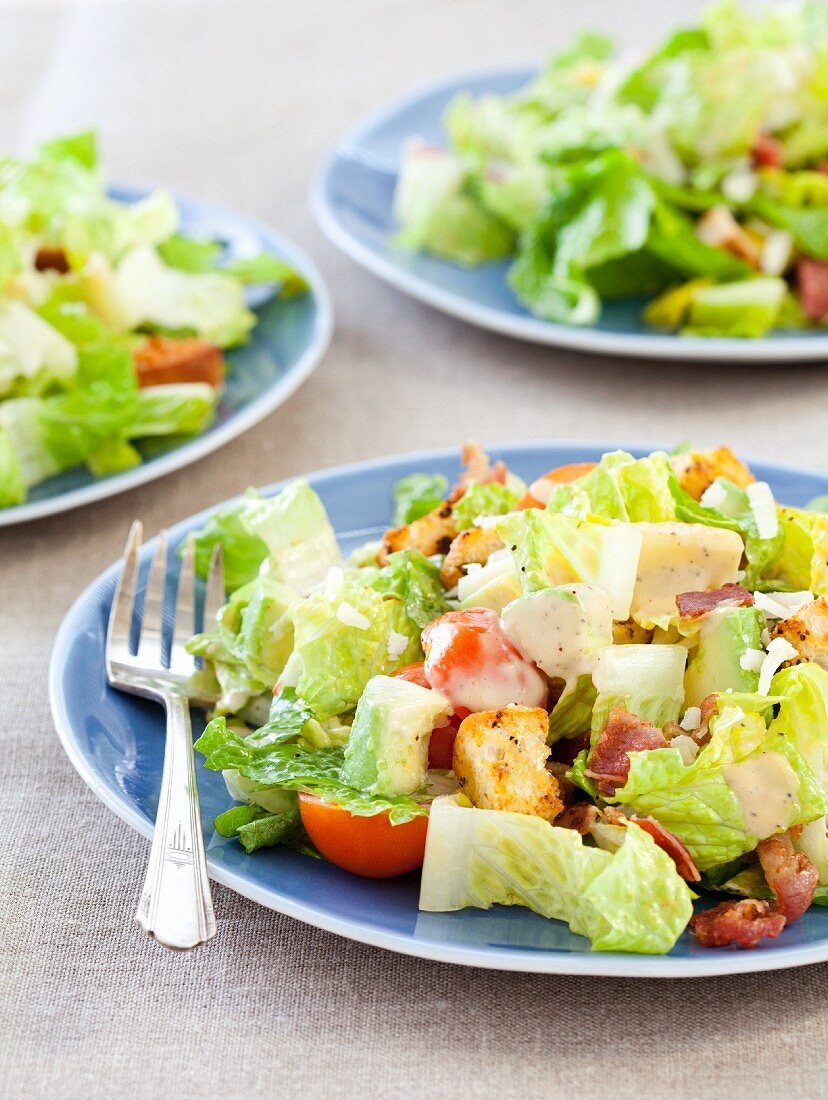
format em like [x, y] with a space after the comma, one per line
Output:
[164, 361]
[432, 534]
[807, 631]
[500, 762]
[630, 633]
[475, 545]
[697, 470]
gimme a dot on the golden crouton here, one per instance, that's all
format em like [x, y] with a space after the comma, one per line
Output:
[807, 631]
[697, 470]
[476, 544]
[500, 762]
[630, 633]
[432, 534]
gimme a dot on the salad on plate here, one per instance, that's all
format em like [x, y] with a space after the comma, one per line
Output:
[694, 178]
[113, 325]
[600, 696]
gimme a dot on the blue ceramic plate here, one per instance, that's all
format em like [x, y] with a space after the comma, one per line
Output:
[288, 341]
[116, 743]
[352, 199]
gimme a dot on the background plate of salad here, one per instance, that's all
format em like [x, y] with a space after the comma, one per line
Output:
[672, 204]
[360, 622]
[138, 331]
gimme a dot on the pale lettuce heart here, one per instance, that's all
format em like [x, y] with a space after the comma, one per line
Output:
[628, 900]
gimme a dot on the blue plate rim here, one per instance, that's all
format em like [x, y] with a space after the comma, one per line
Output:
[241, 420]
[599, 964]
[650, 345]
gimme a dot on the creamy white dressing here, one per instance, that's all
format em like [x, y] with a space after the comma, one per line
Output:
[766, 787]
[681, 557]
[497, 677]
[561, 629]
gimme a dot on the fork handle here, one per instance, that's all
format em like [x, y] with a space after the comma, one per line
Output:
[175, 906]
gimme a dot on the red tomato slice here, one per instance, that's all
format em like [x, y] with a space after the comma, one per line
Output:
[472, 662]
[367, 846]
[441, 742]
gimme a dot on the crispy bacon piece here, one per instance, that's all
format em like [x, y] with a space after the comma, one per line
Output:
[709, 708]
[666, 840]
[790, 874]
[51, 259]
[478, 470]
[692, 605]
[581, 817]
[741, 923]
[767, 152]
[622, 733]
[163, 360]
[812, 280]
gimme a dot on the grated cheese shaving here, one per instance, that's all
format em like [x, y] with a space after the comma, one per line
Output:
[349, 616]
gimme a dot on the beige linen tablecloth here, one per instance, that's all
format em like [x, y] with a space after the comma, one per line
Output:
[237, 103]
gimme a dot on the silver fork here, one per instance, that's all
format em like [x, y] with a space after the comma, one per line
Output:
[175, 906]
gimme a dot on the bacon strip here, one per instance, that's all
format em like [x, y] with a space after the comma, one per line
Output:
[812, 280]
[692, 605]
[790, 874]
[666, 840]
[51, 258]
[767, 152]
[580, 817]
[741, 923]
[477, 470]
[622, 733]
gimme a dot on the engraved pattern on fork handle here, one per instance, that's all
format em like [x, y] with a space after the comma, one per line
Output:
[176, 906]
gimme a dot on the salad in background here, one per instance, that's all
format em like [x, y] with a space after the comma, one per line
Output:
[113, 325]
[696, 176]
[594, 696]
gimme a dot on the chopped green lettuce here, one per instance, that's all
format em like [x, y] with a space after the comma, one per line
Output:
[294, 526]
[647, 680]
[803, 719]
[628, 900]
[485, 500]
[342, 639]
[635, 490]
[552, 549]
[415, 495]
[279, 761]
[747, 783]
[242, 552]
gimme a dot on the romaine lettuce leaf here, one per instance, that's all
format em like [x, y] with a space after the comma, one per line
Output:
[414, 580]
[242, 552]
[415, 495]
[295, 528]
[12, 483]
[342, 639]
[553, 549]
[803, 719]
[647, 680]
[486, 500]
[745, 784]
[630, 900]
[280, 762]
[634, 490]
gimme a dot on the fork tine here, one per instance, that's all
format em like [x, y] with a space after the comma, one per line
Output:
[184, 623]
[123, 602]
[150, 641]
[214, 598]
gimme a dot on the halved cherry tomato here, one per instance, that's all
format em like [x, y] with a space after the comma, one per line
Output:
[441, 742]
[561, 475]
[367, 846]
[472, 662]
